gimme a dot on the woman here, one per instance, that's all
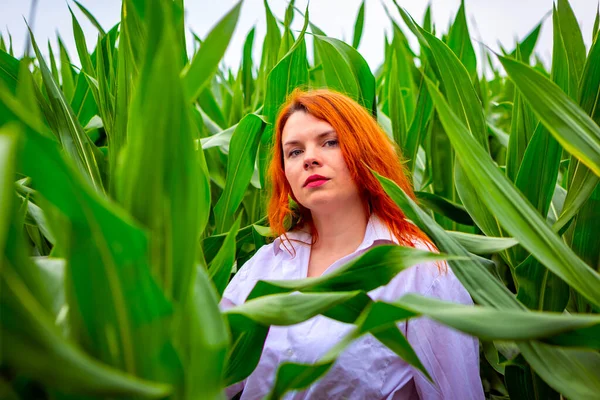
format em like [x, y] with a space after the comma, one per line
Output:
[325, 144]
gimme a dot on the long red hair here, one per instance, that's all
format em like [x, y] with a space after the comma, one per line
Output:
[363, 144]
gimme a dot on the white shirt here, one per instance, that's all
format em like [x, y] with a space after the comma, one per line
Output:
[367, 369]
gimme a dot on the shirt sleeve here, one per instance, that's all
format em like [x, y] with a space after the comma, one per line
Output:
[450, 356]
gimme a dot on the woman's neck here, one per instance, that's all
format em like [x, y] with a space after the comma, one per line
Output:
[341, 228]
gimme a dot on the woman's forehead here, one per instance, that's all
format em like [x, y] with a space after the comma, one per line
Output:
[303, 126]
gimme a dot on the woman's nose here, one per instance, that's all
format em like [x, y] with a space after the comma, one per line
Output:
[309, 162]
[311, 159]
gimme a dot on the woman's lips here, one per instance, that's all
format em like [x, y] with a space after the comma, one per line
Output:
[316, 183]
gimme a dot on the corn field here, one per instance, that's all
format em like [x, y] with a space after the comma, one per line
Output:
[132, 186]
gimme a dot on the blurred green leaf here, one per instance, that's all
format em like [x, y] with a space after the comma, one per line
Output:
[75, 142]
[358, 26]
[163, 180]
[89, 16]
[222, 264]
[197, 75]
[82, 49]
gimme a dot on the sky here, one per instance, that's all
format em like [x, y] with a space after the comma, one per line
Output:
[491, 22]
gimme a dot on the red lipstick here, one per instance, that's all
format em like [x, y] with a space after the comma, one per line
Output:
[315, 180]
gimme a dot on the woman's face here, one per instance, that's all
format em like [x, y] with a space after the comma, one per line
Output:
[314, 165]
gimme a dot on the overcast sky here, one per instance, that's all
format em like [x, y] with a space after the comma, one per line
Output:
[491, 21]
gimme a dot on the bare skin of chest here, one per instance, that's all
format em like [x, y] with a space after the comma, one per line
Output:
[320, 260]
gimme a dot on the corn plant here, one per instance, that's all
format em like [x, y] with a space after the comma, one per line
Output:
[132, 188]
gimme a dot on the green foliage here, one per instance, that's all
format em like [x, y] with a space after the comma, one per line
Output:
[132, 188]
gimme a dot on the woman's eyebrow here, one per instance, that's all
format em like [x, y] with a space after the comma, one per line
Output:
[319, 136]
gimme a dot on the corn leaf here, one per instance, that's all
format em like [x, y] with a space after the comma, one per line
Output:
[567, 122]
[240, 167]
[515, 214]
[76, 143]
[459, 40]
[289, 73]
[573, 373]
[358, 26]
[220, 268]
[206, 60]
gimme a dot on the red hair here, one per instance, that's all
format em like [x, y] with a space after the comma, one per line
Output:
[364, 145]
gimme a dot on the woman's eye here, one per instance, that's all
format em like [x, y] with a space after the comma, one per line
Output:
[331, 143]
[293, 153]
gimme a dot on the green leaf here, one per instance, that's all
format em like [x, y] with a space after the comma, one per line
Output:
[9, 71]
[456, 81]
[459, 40]
[583, 181]
[528, 44]
[564, 119]
[37, 356]
[53, 67]
[221, 139]
[240, 167]
[76, 143]
[337, 71]
[271, 43]
[8, 155]
[358, 26]
[488, 323]
[539, 288]
[199, 72]
[371, 270]
[574, 373]
[131, 320]
[291, 72]
[82, 50]
[375, 268]
[538, 171]
[221, 266]
[574, 45]
[247, 67]
[418, 127]
[206, 341]
[83, 103]
[346, 70]
[445, 207]
[521, 131]
[163, 180]
[397, 109]
[585, 241]
[92, 19]
[514, 213]
[66, 72]
[480, 244]
[285, 309]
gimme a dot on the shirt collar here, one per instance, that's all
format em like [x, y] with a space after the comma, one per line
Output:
[376, 232]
